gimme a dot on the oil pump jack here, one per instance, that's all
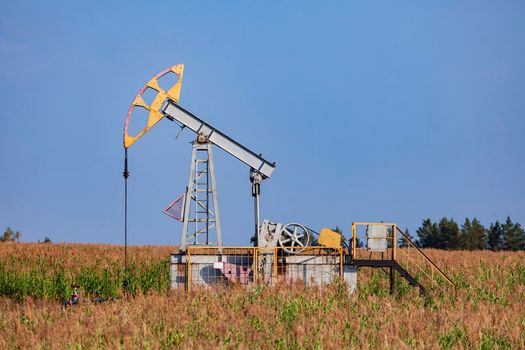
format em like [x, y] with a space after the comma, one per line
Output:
[280, 252]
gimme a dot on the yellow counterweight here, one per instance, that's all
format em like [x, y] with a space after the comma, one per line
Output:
[154, 116]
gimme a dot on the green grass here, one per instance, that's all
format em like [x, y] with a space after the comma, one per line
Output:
[52, 281]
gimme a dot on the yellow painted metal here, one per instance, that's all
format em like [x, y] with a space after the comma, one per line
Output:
[255, 265]
[274, 273]
[154, 116]
[217, 247]
[341, 262]
[433, 266]
[188, 267]
[372, 223]
[394, 241]
[354, 240]
[329, 238]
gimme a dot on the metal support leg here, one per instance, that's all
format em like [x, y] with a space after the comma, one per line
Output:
[214, 196]
[392, 280]
[187, 202]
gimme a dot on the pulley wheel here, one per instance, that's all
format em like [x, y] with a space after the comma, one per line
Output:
[294, 238]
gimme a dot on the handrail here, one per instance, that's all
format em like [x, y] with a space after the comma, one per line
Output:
[426, 257]
[409, 258]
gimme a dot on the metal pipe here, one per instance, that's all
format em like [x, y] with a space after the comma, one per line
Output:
[256, 179]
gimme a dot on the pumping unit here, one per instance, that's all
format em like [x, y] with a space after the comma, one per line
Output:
[280, 253]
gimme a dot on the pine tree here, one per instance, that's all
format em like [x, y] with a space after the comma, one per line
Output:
[478, 235]
[402, 242]
[466, 228]
[513, 235]
[428, 234]
[473, 235]
[495, 236]
[449, 234]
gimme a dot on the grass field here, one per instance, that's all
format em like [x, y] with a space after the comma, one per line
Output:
[486, 312]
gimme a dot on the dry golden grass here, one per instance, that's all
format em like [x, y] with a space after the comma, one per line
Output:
[487, 312]
[75, 256]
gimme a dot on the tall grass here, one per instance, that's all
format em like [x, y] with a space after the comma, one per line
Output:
[49, 271]
[485, 313]
[56, 283]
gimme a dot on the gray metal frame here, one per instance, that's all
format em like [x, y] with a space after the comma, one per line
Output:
[173, 111]
[260, 168]
[201, 183]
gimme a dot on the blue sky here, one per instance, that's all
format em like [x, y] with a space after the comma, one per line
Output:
[373, 110]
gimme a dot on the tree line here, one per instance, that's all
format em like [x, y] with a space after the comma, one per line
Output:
[471, 235]
[11, 236]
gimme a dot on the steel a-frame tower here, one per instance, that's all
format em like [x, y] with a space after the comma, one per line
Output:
[201, 213]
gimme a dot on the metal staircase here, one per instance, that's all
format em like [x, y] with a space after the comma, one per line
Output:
[418, 263]
[410, 262]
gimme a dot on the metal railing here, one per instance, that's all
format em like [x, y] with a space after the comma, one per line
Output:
[234, 266]
[364, 253]
[312, 266]
[418, 259]
[207, 265]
